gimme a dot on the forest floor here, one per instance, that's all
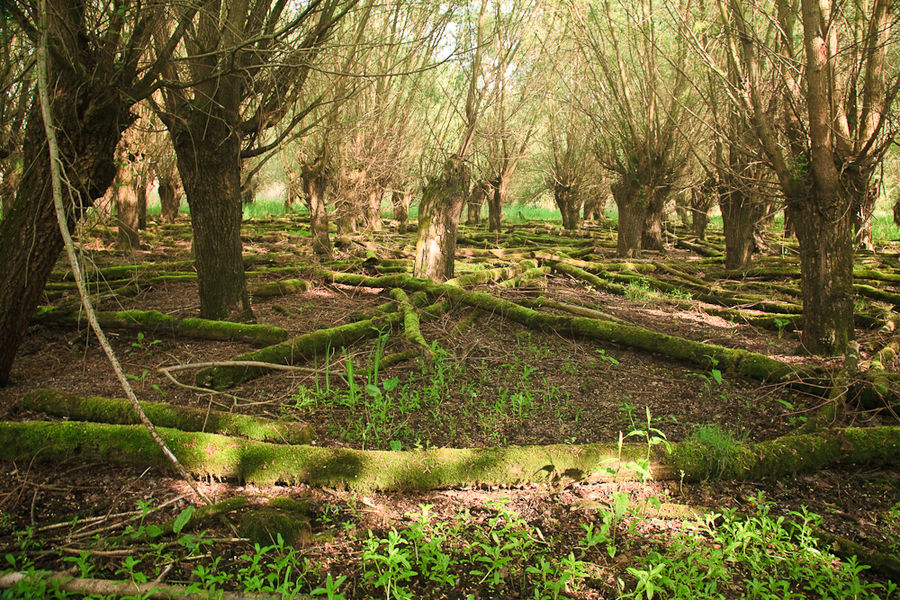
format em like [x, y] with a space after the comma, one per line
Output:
[485, 381]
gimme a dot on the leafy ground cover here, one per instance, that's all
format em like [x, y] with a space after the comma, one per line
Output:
[480, 379]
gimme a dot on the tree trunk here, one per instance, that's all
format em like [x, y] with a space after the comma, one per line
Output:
[91, 117]
[496, 200]
[143, 191]
[315, 182]
[701, 202]
[739, 216]
[865, 195]
[568, 201]
[373, 208]
[126, 202]
[593, 208]
[476, 201]
[825, 233]
[652, 233]
[632, 208]
[442, 201]
[210, 171]
[400, 201]
[169, 199]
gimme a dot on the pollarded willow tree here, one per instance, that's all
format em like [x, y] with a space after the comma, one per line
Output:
[241, 70]
[445, 193]
[635, 89]
[827, 136]
[570, 165]
[97, 72]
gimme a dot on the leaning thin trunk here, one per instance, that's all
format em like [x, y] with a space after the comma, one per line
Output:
[211, 174]
[442, 201]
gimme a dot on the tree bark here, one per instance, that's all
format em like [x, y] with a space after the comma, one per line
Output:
[126, 202]
[476, 200]
[92, 117]
[400, 201]
[825, 235]
[632, 208]
[593, 208]
[442, 201]
[315, 183]
[169, 198]
[373, 208]
[210, 171]
[654, 217]
[496, 200]
[739, 216]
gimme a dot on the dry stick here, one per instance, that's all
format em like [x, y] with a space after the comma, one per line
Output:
[56, 183]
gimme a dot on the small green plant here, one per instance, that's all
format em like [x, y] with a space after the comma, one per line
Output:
[142, 344]
[329, 588]
[781, 325]
[607, 358]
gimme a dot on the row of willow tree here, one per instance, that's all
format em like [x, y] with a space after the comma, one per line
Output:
[783, 103]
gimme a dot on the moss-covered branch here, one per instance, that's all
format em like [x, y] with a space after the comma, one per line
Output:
[185, 418]
[153, 321]
[411, 329]
[293, 350]
[282, 287]
[263, 463]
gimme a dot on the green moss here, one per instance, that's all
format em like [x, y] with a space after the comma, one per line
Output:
[107, 410]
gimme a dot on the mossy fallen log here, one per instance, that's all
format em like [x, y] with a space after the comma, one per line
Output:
[272, 289]
[163, 414]
[526, 277]
[875, 294]
[153, 321]
[262, 463]
[698, 248]
[488, 275]
[294, 350]
[411, 329]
